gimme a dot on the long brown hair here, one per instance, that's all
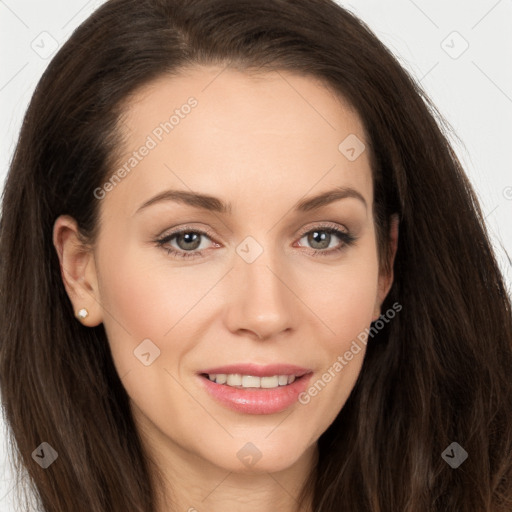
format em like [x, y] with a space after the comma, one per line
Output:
[440, 372]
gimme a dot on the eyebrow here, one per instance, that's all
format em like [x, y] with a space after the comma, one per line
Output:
[214, 204]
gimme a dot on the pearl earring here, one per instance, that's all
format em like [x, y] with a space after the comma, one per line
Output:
[83, 313]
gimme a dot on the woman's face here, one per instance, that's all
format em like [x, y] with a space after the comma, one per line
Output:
[257, 293]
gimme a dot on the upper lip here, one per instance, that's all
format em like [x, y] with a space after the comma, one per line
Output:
[258, 370]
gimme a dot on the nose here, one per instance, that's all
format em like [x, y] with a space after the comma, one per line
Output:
[262, 301]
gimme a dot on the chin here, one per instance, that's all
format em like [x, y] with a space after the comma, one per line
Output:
[260, 455]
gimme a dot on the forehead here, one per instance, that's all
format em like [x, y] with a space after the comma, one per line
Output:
[227, 132]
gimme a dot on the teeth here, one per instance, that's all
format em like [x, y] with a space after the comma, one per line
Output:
[270, 382]
[234, 379]
[250, 381]
[221, 378]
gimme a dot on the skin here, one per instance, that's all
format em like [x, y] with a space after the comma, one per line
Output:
[248, 139]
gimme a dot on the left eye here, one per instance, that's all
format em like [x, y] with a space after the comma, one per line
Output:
[322, 237]
[188, 240]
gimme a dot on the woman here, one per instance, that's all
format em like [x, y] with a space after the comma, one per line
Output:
[242, 269]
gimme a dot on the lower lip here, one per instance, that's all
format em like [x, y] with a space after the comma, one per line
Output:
[257, 400]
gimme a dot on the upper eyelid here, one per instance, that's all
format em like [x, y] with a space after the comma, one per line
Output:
[325, 225]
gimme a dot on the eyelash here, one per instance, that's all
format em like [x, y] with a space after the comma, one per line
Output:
[346, 238]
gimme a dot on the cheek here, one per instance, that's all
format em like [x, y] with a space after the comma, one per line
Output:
[344, 298]
[346, 305]
[137, 302]
[146, 289]
[145, 297]
[142, 304]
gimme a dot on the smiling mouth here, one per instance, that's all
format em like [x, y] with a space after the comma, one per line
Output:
[240, 381]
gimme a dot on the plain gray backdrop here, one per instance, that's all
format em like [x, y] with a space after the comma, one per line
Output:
[459, 50]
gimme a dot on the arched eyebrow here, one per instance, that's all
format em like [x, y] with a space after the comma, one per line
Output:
[215, 204]
[328, 197]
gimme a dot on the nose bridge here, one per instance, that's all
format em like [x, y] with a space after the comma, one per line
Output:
[263, 303]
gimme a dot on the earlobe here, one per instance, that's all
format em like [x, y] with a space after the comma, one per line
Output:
[386, 280]
[78, 271]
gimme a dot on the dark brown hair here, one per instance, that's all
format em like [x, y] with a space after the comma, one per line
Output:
[438, 373]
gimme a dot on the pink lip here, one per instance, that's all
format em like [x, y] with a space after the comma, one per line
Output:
[257, 400]
[259, 371]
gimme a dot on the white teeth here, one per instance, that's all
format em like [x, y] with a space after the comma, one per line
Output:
[221, 378]
[234, 379]
[248, 381]
[251, 381]
[270, 382]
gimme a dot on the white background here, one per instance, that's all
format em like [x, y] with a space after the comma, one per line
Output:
[472, 91]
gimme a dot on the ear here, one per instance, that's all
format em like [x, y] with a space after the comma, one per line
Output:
[78, 269]
[386, 280]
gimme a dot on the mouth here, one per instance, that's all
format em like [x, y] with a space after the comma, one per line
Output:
[253, 389]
